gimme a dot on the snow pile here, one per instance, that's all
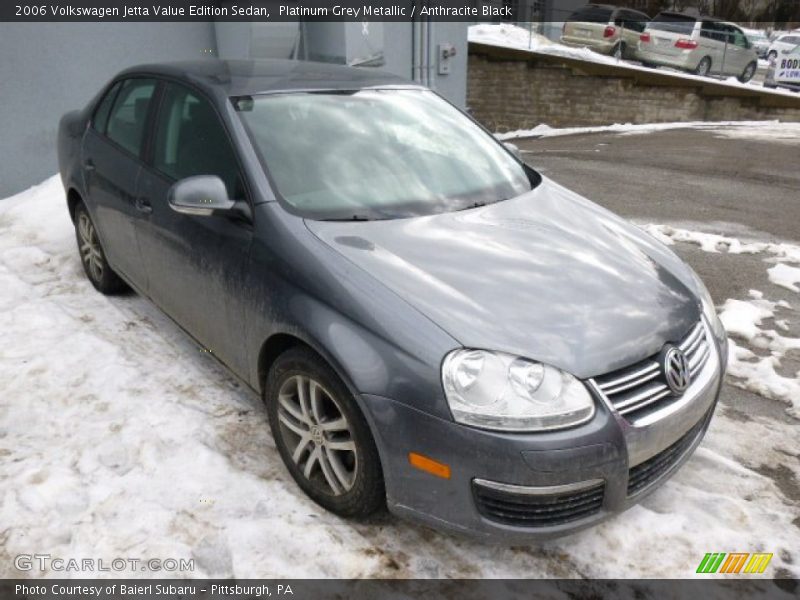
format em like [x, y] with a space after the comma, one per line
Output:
[786, 276]
[712, 242]
[120, 438]
[773, 131]
[507, 36]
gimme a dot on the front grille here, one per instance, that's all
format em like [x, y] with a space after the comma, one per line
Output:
[536, 510]
[651, 470]
[641, 388]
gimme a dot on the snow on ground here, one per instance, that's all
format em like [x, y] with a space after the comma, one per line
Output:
[771, 131]
[512, 36]
[120, 438]
[753, 371]
[788, 277]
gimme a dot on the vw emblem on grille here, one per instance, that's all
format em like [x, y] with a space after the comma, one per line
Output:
[676, 370]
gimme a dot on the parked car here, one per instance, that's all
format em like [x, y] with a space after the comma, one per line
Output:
[785, 60]
[759, 41]
[605, 29]
[431, 323]
[786, 42]
[700, 45]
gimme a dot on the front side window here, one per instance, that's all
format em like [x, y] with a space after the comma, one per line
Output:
[190, 140]
[127, 120]
[739, 38]
[377, 154]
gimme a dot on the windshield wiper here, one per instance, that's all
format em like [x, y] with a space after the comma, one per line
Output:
[474, 205]
[351, 218]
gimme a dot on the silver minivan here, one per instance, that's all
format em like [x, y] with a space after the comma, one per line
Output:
[701, 45]
[605, 29]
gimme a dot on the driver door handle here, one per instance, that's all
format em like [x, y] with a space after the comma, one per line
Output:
[143, 205]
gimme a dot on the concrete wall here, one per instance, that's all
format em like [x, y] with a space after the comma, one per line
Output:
[511, 89]
[51, 68]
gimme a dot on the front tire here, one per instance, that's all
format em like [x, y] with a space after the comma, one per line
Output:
[322, 436]
[748, 72]
[93, 257]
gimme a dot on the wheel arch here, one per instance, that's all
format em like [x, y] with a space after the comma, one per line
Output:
[73, 199]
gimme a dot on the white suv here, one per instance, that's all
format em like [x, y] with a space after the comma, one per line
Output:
[784, 43]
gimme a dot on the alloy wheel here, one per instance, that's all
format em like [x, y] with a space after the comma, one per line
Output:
[90, 247]
[317, 433]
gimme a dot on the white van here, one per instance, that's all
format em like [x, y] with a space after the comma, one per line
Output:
[701, 45]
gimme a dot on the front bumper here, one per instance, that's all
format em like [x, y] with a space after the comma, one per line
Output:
[507, 487]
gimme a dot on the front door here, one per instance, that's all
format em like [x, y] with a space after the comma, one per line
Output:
[195, 264]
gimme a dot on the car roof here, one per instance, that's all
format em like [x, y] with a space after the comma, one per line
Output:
[251, 77]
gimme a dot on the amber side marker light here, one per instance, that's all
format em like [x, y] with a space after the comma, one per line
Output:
[423, 463]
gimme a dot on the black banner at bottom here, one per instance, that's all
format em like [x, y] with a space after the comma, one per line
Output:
[358, 589]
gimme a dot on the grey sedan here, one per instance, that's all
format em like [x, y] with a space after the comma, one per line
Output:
[432, 324]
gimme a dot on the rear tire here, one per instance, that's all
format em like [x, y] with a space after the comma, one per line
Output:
[93, 257]
[748, 73]
[703, 67]
[321, 435]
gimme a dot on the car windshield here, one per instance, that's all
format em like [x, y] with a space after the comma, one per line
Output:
[377, 154]
[673, 22]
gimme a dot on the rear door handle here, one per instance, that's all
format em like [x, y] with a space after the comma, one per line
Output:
[88, 165]
[143, 205]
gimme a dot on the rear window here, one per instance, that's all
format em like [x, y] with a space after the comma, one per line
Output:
[676, 23]
[591, 14]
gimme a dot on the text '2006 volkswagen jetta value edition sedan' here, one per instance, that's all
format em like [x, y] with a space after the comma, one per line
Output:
[431, 323]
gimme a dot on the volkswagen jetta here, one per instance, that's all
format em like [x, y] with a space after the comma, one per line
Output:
[432, 324]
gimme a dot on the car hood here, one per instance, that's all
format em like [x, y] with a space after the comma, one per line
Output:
[547, 275]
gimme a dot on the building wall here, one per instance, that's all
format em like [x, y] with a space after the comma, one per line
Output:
[51, 68]
[509, 90]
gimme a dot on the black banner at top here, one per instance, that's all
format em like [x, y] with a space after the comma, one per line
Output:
[257, 10]
[780, 14]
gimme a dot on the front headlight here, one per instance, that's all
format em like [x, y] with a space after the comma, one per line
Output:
[493, 390]
[709, 311]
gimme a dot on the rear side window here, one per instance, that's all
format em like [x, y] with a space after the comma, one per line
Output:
[128, 117]
[591, 14]
[100, 117]
[190, 140]
[673, 22]
[633, 20]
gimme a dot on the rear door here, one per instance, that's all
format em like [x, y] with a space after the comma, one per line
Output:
[112, 152]
[195, 265]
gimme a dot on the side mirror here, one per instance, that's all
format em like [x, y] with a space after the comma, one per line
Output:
[201, 195]
[513, 149]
